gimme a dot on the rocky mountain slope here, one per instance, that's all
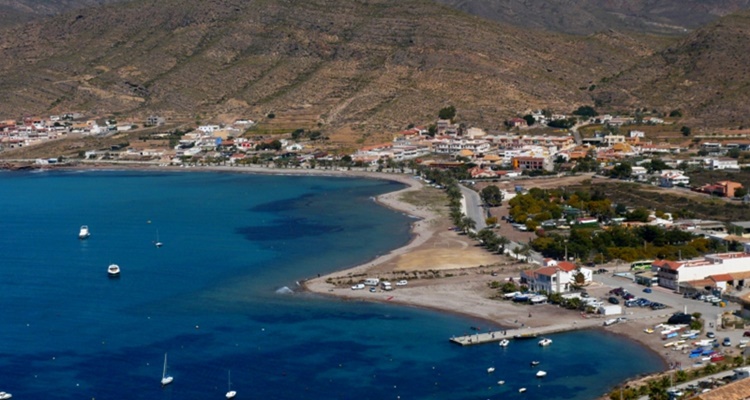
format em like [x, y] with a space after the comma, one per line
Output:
[19, 11]
[361, 65]
[589, 16]
[706, 75]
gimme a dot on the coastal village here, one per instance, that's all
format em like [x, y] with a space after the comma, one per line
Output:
[692, 308]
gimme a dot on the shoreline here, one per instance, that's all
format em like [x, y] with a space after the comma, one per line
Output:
[454, 295]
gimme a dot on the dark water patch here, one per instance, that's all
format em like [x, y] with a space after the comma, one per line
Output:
[287, 229]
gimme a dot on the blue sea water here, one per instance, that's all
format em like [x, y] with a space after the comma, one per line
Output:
[210, 298]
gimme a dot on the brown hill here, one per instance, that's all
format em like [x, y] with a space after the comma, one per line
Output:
[370, 66]
[19, 11]
[706, 75]
[589, 16]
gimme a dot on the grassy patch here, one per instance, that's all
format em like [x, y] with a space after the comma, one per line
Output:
[433, 199]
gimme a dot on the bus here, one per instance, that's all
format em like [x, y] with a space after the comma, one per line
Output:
[643, 265]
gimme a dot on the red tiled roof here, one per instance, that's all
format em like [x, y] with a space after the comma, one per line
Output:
[673, 265]
[721, 278]
[566, 266]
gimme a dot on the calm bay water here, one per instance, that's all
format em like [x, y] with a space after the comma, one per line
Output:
[209, 298]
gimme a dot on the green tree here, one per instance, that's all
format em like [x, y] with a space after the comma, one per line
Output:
[447, 113]
[741, 192]
[468, 224]
[586, 111]
[685, 130]
[621, 171]
[529, 119]
[492, 196]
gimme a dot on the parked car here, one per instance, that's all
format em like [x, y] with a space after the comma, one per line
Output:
[614, 300]
[710, 335]
[358, 286]
[372, 290]
[647, 290]
[402, 282]
[628, 296]
[746, 334]
[727, 342]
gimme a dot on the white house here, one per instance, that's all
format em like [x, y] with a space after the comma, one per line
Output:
[555, 276]
[673, 178]
[722, 163]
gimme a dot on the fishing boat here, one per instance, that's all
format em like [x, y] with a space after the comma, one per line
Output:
[504, 343]
[165, 379]
[541, 374]
[230, 393]
[545, 342]
[113, 270]
[84, 232]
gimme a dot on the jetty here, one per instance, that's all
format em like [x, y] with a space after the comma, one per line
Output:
[522, 333]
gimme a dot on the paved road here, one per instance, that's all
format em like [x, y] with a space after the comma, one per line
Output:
[474, 209]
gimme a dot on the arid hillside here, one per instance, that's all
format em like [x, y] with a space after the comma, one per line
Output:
[706, 75]
[671, 17]
[369, 66]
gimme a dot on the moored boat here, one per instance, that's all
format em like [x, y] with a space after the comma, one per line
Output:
[84, 232]
[490, 370]
[534, 363]
[521, 390]
[504, 343]
[5, 396]
[545, 342]
[541, 374]
[113, 270]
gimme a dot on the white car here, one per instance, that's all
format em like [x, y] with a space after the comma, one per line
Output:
[358, 286]
[401, 283]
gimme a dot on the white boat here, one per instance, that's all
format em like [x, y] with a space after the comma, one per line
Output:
[230, 393]
[490, 370]
[534, 363]
[165, 379]
[545, 342]
[5, 395]
[521, 390]
[501, 382]
[541, 374]
[84, 232]
[158, 243]
[113, 270]
[504, 343]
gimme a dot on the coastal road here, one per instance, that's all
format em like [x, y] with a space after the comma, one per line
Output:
[474, 209]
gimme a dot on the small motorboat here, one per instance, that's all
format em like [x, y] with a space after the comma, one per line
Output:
[541, 374]
[5, 396]
[545, 342]
[84, 232]
[501, 382]
[521, 390]
[504, 343]
[113, 270]
[534, 363]
[490, 370]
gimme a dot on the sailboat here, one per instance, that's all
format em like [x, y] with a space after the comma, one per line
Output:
[231, 393]
[157, 243]
[165, 379]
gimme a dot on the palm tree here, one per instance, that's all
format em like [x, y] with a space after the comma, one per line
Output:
[502, 242]
[468, 224]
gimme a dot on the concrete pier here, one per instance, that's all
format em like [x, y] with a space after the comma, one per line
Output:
[522, 333]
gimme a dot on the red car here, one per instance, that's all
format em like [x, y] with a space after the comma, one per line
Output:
[746, 334]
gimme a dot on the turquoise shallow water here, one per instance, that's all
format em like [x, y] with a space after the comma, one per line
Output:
[209, 298]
